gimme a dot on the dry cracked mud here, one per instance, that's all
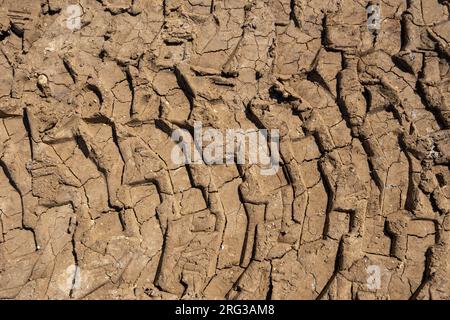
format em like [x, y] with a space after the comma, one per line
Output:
[92, 205]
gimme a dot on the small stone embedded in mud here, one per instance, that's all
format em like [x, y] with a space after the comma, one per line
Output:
[42, 80]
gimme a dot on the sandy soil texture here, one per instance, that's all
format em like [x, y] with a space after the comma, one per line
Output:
[93, 205]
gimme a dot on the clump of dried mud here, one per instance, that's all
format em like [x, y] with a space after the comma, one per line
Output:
[92, 206]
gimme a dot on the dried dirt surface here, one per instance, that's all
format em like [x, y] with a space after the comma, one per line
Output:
[92, 206]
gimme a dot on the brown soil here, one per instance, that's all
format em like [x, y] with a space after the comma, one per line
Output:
[91, 205]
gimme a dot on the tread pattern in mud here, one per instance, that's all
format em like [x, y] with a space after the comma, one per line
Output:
[92, 205]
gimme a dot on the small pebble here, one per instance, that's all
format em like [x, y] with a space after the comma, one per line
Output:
[42, 80]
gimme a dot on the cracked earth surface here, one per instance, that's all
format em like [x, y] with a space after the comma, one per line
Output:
[92, 207]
